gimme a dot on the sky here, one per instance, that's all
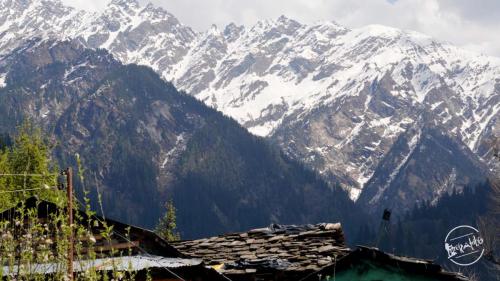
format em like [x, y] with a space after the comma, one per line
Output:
[471, 24]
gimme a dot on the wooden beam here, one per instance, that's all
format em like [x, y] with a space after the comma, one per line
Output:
[110, 247]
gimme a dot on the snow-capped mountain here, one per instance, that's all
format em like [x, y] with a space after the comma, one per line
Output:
[336, 98]
[339, 98]
[134, 34]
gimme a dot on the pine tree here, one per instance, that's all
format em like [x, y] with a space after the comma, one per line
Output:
[167, 226]
[27, 155]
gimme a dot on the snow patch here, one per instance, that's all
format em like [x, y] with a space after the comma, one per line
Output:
[381, 122]
[411, 147]
[179, 146]
[354, 193]
[3, 77]
[447, 186]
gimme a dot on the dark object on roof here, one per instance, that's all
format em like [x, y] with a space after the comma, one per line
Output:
[285, 252]
[366, 261]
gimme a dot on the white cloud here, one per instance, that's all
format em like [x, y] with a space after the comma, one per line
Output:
[470, 24]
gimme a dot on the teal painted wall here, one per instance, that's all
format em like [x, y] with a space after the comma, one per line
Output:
[369, 272]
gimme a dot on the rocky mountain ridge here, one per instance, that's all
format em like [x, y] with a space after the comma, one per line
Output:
[336, 98]
[142, 143]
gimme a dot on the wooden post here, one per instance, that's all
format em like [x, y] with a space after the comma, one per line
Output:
[71, 246]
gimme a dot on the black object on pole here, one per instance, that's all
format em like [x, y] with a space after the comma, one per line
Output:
[384, 226]
[387, 215]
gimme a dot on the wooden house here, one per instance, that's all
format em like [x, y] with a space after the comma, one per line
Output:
[125, 248]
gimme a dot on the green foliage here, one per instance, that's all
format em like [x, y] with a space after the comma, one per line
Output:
[28, 244]
[26, 240]
[167, 225]
[27, 169]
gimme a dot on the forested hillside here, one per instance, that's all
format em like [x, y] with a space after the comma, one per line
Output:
[142, 143]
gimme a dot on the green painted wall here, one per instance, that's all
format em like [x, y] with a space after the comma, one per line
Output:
[369, 272]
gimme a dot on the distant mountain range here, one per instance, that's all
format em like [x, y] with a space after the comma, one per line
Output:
[142, 143]
[393, 116]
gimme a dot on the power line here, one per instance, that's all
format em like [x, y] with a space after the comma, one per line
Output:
[28, 175]
[23, 190]
[20, 190]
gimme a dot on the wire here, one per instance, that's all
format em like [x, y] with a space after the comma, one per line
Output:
[21, 190]
[27, 175]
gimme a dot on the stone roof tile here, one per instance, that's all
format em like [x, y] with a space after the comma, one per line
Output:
[284, 247]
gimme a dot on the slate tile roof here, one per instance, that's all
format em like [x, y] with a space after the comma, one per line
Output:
[278, 247]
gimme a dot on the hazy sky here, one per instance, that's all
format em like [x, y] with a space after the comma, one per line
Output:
[473, 24]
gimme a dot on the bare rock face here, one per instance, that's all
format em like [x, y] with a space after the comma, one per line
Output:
[335, 98]
[421, 166]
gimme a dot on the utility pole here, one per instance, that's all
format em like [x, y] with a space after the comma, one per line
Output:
[71, 246]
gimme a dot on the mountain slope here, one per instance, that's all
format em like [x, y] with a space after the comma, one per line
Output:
[354, 96]
[143, 142]
[334, 97]
[403, 178]
[134, 34]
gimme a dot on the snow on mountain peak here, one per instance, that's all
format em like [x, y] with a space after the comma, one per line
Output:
[377, 30]
[124, 3]
[335, 97]
[214, 30]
